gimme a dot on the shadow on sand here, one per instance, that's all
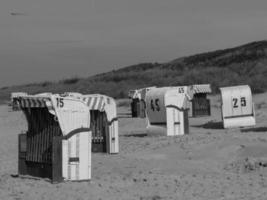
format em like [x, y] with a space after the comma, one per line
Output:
[211, 125]
[256, 129]
[136, 135]
[124, 115]
[20, 176]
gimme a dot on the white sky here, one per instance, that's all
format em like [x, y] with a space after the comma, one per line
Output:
[55, 39]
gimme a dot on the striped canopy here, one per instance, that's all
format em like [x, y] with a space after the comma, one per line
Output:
[203, 88]
[94, 102]
[135, 94]
[131, 93]
[139, 93]
[32, 102]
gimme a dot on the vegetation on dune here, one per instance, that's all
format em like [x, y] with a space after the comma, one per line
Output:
[240, 65]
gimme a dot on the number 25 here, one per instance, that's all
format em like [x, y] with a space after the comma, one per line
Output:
[242, 100]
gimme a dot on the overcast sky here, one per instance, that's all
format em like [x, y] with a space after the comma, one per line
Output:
[54, 39]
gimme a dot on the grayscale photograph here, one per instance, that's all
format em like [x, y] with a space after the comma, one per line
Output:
[133, 100]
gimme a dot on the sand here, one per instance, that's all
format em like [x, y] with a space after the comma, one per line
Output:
[209, 163]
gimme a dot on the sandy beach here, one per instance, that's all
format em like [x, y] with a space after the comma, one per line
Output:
[209, 163]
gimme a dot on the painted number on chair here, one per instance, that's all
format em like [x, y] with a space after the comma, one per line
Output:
[154, 105]
[242, 101]
[60, 102]
[181, 90]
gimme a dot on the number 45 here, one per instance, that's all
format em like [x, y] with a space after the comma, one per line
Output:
[156, 106]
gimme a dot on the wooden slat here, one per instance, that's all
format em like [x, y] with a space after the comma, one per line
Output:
[99, 128]
[31, 137]
[22, 148]
[35, 136]
[186, 122]
[48, 133]
[39, 141]
[30, 145]
[106, 134]
[98, 123]
[201, 107]
[41, 129]
[34, 116]
[57, 159]
[42, 144]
